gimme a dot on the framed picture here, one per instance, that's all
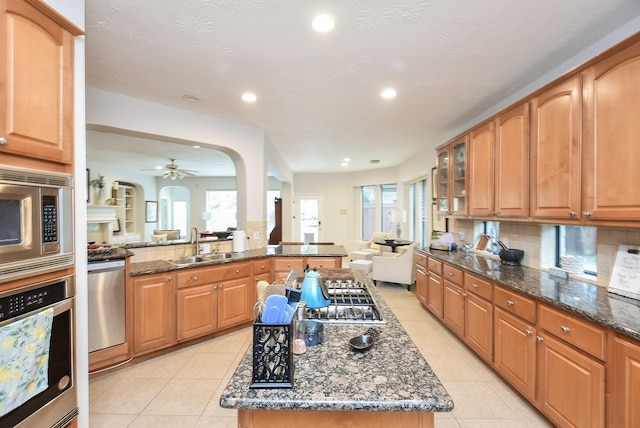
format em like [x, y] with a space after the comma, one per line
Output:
[434, 191]
[151, 211]
[439, 222]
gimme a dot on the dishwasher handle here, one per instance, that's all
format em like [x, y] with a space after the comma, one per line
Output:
[106, 265]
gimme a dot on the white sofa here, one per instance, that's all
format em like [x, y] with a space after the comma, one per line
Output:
[369, 248]
[395, 267]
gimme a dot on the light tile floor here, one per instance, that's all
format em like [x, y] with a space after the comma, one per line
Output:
[182, 389]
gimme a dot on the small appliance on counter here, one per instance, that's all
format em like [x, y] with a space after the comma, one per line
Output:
[239, 241]
[314, 291]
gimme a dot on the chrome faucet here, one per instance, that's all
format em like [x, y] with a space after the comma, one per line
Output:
[194, 231]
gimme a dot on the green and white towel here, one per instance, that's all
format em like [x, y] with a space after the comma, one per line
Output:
[24, 359]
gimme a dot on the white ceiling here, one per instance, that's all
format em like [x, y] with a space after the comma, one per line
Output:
[318, 94]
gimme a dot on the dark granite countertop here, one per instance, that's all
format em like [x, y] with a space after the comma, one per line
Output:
[159, 266]
[391, 376]
[100, 255]
[587, 300]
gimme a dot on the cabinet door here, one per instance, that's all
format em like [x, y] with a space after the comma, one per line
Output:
[555, 151]
[453, 308]
[515, 352]
[234, 302]
[37, 88]
[154, 320]
[197, 311]
[480, 174]
[571, 385]
[626, 384]
[478, 318]
[458, 174]
[442, 177]
[511, 157]
[324, 262]
[421, 284]
[611, 134]
[435, 295]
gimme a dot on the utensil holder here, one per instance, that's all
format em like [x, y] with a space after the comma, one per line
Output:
[272, 355]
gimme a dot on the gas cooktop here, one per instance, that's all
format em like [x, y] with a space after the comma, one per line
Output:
[351, 302]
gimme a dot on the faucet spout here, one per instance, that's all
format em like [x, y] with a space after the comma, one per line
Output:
[195, 239]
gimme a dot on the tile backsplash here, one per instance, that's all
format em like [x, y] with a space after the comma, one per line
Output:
[538, 243]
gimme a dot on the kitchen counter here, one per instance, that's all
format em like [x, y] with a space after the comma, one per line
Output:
[586, 300]
[115, 253]
[392, 376]
[159, 266]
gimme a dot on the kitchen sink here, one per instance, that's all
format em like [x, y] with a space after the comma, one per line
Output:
[187, 260]
[218, 256]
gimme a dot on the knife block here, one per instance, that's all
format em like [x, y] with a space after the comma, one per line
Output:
[272, 355]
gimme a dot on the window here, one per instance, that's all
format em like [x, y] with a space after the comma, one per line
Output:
[368, 203]
[389, 205]
[579, 245]
[223, 207]
[419, 209]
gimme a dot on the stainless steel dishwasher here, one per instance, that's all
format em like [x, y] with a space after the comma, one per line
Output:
[106, 304]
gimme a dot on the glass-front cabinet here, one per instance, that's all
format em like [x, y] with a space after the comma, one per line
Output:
[451, 178]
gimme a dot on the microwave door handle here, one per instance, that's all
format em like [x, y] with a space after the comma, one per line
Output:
[58, 308]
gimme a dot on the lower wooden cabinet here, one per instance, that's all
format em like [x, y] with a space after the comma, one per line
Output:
[515, 351]
[197, 311]
[234, 302]
[479, 326]
[626, 384]
[154, 320]
[422, 280]
[571, 385]
[453, 307]
[435, 293]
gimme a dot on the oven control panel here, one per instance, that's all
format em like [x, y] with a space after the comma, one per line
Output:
[14, 305]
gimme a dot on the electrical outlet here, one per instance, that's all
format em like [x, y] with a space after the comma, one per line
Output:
[256, 235]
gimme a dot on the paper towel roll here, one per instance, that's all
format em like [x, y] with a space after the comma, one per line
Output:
[239, 241]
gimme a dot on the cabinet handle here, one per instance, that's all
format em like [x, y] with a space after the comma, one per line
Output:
[450, 273]
[3, 141]
[528, 332]
[565, 329]
[587, 213]
[539, 339]
[195, 277]
[169, 278]
[475, 285]
[573, 213]
[237, 270]
[465, 294]
[220, 286]
[510, 302]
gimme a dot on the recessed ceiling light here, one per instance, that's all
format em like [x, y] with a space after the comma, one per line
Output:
[347, 159]
[344, 164]
[190, 98]
[249, 97]
[196, 147]
[374, 161]
[323, 23]
[388, 93]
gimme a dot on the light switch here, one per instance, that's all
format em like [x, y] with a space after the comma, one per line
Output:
[256, 235]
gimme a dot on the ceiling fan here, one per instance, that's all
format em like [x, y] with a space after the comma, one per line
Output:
[173, 172]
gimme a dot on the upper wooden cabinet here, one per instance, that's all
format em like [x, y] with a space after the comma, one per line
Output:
[611, 131]
[451, 171]
[37, 87]
[555, 151]
[499, 166]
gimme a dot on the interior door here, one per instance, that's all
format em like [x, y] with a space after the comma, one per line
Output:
[308, 214]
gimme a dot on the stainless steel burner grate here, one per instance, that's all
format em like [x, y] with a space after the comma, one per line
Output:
[351, 302]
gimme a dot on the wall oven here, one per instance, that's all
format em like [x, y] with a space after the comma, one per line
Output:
[55, 403]
[36, 222]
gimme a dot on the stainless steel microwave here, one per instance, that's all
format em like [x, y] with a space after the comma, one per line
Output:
[36, 222]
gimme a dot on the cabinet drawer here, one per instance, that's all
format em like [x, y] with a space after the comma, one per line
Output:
[261, 266]
[515, 303]
[322, 262]
[478, 286]
[286, 264]
[434, 266]
[420, 259]
[234, 270]
[582, 335]
[191, 277]
[452, 274]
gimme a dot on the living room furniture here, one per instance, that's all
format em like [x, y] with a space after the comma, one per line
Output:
[395, 267]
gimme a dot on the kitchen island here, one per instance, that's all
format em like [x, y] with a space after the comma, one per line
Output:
[390, 384]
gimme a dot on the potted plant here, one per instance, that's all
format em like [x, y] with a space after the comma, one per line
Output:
[98, 184]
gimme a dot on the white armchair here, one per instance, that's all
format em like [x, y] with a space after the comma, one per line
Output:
[395, 267]
[369, 248]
